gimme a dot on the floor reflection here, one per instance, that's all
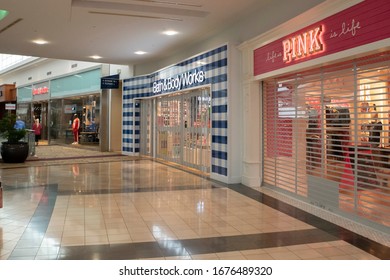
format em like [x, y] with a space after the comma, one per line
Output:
[144, 209]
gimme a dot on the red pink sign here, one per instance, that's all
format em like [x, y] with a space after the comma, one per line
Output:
[364, 23]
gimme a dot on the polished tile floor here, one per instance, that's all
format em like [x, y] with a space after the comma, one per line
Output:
[114, 207]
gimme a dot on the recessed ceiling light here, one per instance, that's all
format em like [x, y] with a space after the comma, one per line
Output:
[3, 14]
[170, 32]
[40, 42]
[140, 52]
[95, 57]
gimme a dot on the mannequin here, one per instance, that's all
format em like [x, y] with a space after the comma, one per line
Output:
[375, 129]
[75, 129]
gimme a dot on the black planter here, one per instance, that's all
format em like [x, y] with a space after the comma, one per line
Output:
[14, 152]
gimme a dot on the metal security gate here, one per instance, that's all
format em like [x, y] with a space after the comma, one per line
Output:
[176, 128]
[147, 120]
[326, 138]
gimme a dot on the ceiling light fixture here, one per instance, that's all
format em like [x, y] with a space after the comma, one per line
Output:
[140, 52]
[170, 32]
[3, 14]
[95, 57]
[40, 42]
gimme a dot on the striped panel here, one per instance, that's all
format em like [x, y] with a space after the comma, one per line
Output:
[214, 63]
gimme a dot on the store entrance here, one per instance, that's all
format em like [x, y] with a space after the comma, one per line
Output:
[327, 138]
[181, 132]
[40, 111]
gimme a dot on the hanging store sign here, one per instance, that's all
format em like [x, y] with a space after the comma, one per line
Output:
[109, 82]
[361, 24]
[179, 82]
[10, 106]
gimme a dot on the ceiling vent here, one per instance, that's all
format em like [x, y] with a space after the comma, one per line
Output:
[146, 9]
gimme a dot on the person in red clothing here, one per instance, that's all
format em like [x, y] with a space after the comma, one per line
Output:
[75, 129]
[37, 127]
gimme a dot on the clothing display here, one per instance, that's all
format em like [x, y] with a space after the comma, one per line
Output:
[375, 129]
[75, 129]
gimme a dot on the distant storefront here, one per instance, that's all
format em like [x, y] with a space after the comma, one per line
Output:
[55, 103]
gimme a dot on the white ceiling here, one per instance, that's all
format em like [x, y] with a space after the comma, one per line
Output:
[114, 29]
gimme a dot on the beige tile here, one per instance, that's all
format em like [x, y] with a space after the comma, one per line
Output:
[207, 232]
[330, 252]
[96, 240]
[231, 256]
[263, 256]
[119, 238]
[247, 229]
[139, 230]
[73, 241]
[253, 252]
[72, 233]
[117, 230]
[93, 232]
[146, 237]
[74, 227]
[363, 256]
[284, 256]
[95, 227]
[308, 254]
[227, 231]
[185, 234]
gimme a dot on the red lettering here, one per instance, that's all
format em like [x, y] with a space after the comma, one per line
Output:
[40, 90]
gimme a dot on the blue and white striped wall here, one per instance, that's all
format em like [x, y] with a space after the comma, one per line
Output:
[214, 63]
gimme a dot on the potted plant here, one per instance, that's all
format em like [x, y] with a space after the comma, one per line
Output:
[13, 150]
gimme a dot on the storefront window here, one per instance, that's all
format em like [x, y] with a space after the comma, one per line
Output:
[62, 114]
[24, 111]
[326, 137]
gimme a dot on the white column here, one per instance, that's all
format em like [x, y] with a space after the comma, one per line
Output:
[252, 135]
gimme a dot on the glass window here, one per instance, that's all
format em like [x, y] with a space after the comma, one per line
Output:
[62, 114]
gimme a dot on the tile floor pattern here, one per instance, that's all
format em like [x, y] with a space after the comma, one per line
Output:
[141, 209]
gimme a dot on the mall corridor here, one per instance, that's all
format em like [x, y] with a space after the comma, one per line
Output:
[69, 203]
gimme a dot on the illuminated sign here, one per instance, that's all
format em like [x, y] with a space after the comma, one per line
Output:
[359, 25]
[40, 90]
[179, 82]
[302, 45]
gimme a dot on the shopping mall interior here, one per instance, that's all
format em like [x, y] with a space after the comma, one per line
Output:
[183, 131]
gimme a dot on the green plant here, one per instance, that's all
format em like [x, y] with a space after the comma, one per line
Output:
[8, 131]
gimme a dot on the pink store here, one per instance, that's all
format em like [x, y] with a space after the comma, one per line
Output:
[317, 98]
